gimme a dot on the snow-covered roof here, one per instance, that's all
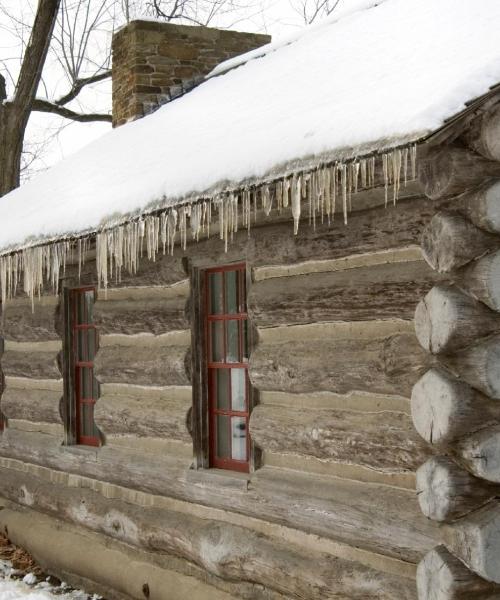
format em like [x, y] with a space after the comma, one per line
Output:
[379, 77]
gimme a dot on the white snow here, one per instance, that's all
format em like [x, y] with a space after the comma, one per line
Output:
[377, 76]
[29, 589]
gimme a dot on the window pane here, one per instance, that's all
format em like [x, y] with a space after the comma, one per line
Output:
[243, 293]
[231, 292]
[87, 425]
[239, 438]
[245, 340]
[87, 383]
[222, 378]
[217, 335]
[223, 439]
[233, 341]
[86, 344]
[216, 289]
[80, 309]
[238, 385]
[89, 305]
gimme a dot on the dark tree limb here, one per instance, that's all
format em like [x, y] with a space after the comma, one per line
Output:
[79, 84]
[40, 105]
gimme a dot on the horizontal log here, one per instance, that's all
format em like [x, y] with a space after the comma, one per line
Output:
[383, 441]
[441, 576]
[154, 310]
[228, 551]
[447, 320]
[382, 291]
[478, 366]
[480, 453]
[449, 241]
[482, 206]
[34, 360]
[481, 279]
[446, 492]
[144, 359]
[144, 412]
[24, 322]
[446, 171]
[445, 409]
[32, 405]
[475, 541]
[483, 134]
[375, 518]
[340, 357]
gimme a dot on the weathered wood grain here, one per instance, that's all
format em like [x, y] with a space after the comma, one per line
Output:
[441, 576]
[376, 518]
[444, 409]
[383, 357]
[228, 551]
[449, 241]
[475, 540]
[383, 440]
[482, 206]
[447, 492]
[480, 453]
[447, 320]
[144, 412]
[364, 293]
[34, 360]
[481, 279]
[32, 405]
[446, 171]
[23, 323]
[154, 310]
[144, 359]
[483, 134]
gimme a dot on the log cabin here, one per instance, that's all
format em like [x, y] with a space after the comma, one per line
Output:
[250, 337]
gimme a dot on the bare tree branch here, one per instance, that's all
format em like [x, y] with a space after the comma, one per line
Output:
[46, 106]
[79, 84]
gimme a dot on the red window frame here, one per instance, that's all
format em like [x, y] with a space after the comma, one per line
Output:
[2, 422]
[83, 368]
[213, 366]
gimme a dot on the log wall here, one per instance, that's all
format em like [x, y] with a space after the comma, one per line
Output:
[334, 361]
[455, 403]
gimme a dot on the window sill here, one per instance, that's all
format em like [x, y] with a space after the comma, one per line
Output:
[81, 450]
[219, 478]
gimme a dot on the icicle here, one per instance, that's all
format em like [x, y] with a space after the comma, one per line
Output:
[405, 165]
[414, 161]
[286, 188]
[396, 172]
[296, 200]
[333, 179]
[343, 180]
[266, 200]
[385, 170]
[363, 173]
[327, 192]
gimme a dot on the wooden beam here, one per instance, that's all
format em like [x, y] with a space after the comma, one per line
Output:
[383, 441]
[444, 409]
[475, 540]
[480, 453]
[441, 576]
[478, 366]
[447, 320]
[447, 171]
[481, 279]
[449, 241]
[482, 206]
[483, 135]
[446, 492]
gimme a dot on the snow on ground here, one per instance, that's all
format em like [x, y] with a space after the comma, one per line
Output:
[390, 72]
[29, 588]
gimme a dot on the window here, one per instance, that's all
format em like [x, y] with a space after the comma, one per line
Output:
[228, 385]
[2, 423]
[83, 344]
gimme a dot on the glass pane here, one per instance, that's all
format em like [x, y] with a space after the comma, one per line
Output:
[231, 292]
[87, 427]
[223, 439]
[239, 438]
[243, 293]
[217, 336]
[216, 289]
[80, 308]
[238, 385]
[87, 383]
[86, 344]
[89, 305]
[245, 340]
[222, 378]
[233, 342]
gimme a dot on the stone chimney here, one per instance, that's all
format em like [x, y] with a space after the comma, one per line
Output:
[155, 62]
